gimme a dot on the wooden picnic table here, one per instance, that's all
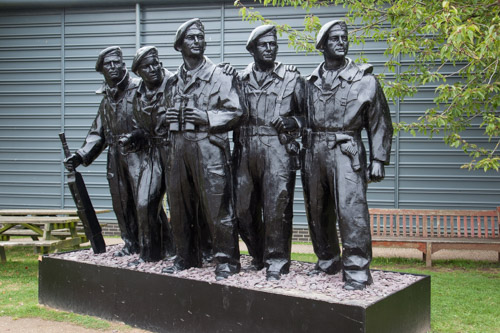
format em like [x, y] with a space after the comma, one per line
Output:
[48, 228]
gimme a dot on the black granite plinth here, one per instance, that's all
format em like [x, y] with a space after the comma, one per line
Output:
[165, 303]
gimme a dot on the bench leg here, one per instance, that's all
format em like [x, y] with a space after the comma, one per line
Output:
[3, 258]
[428, 256]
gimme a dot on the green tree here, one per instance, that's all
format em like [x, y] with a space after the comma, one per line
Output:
[433, 36]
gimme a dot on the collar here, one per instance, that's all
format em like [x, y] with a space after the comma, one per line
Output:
[203, 72]
[121, 86]
[279, 70]
[347, 74]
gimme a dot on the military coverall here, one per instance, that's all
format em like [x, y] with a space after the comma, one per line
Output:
[114, 120]
[334, 173]
[155, 240]
[198, 170]
[265, 162]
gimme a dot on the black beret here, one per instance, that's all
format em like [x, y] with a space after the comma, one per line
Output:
[141, 54]
[181, 31]
[104, 53]
[323, 32]
[257, 32]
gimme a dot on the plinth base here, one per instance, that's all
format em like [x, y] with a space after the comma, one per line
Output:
[167, 303]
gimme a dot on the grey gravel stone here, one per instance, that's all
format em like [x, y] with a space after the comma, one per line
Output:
[296, 283]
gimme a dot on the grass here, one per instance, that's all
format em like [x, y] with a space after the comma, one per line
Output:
[465, 295]
[19, 293]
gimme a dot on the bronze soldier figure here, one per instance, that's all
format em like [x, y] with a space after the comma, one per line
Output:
[266, 154]
[113, 120]
[149, 138]
[202, 106]
[342, 99]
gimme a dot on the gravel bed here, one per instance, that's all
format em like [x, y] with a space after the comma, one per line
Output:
[296, 283]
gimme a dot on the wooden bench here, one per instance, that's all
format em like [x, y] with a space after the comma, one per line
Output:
[431, 230]
[41, 246]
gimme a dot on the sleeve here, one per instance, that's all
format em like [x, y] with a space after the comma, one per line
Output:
[95, 142]
[138, 135]
[225, 107]
[378, 124]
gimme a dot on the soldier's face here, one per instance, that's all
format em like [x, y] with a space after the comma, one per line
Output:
[337, 43]
[150, 70]
[113, 68]
[265, 49]
[193, 44]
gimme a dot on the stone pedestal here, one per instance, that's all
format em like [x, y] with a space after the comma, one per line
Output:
[166, 303]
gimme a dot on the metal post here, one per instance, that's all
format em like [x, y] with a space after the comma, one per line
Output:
[137, 26]
[63, 100]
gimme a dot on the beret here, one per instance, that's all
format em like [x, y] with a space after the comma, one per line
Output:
[257, 32]
[104, 53]
[181, 31]
[323, 32]
[142, 53]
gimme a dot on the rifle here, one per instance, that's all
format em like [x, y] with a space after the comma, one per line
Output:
[84, 206]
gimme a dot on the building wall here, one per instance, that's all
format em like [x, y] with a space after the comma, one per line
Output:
[47, 85]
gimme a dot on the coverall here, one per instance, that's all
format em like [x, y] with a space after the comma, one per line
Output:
[265, 162]
[334, 174]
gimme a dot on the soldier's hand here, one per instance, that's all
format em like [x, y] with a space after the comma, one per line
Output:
[377, 171]
[227, 69]
[284, 124]
[126, 143]
[72, 162]
[290, 68]
[195, 116]
[171, 116]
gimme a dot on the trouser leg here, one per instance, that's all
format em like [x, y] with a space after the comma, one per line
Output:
[277, 193]
[121, 185]
[249, 209]
[150, 194]
[320, 210]
[183, 207]
[354, 222]
[212, 181]
[167, 243]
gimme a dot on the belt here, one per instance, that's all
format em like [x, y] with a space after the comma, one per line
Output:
[158, 141]
[258, 130]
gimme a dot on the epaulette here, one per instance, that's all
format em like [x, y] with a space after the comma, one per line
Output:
[366, 68]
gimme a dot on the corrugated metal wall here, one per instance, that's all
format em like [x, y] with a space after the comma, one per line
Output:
[47, 84]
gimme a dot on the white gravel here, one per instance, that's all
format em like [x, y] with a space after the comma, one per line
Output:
[297, 283]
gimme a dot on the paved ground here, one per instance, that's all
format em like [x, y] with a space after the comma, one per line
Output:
[37, 325]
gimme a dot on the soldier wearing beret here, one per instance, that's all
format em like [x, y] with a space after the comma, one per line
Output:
[150, 139]
[202, 106]
[266, 154]
[114, 120]
[342, 100]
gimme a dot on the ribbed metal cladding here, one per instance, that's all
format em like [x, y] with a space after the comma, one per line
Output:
[47, 82]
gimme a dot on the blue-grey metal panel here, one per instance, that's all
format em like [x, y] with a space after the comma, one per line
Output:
[30, 90]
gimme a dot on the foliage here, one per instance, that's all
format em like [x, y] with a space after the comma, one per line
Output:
[454, 44]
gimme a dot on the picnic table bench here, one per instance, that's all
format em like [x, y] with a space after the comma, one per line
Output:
[49, 229]
[430, 230]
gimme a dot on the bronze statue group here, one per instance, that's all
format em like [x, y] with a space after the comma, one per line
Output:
[168, 134]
